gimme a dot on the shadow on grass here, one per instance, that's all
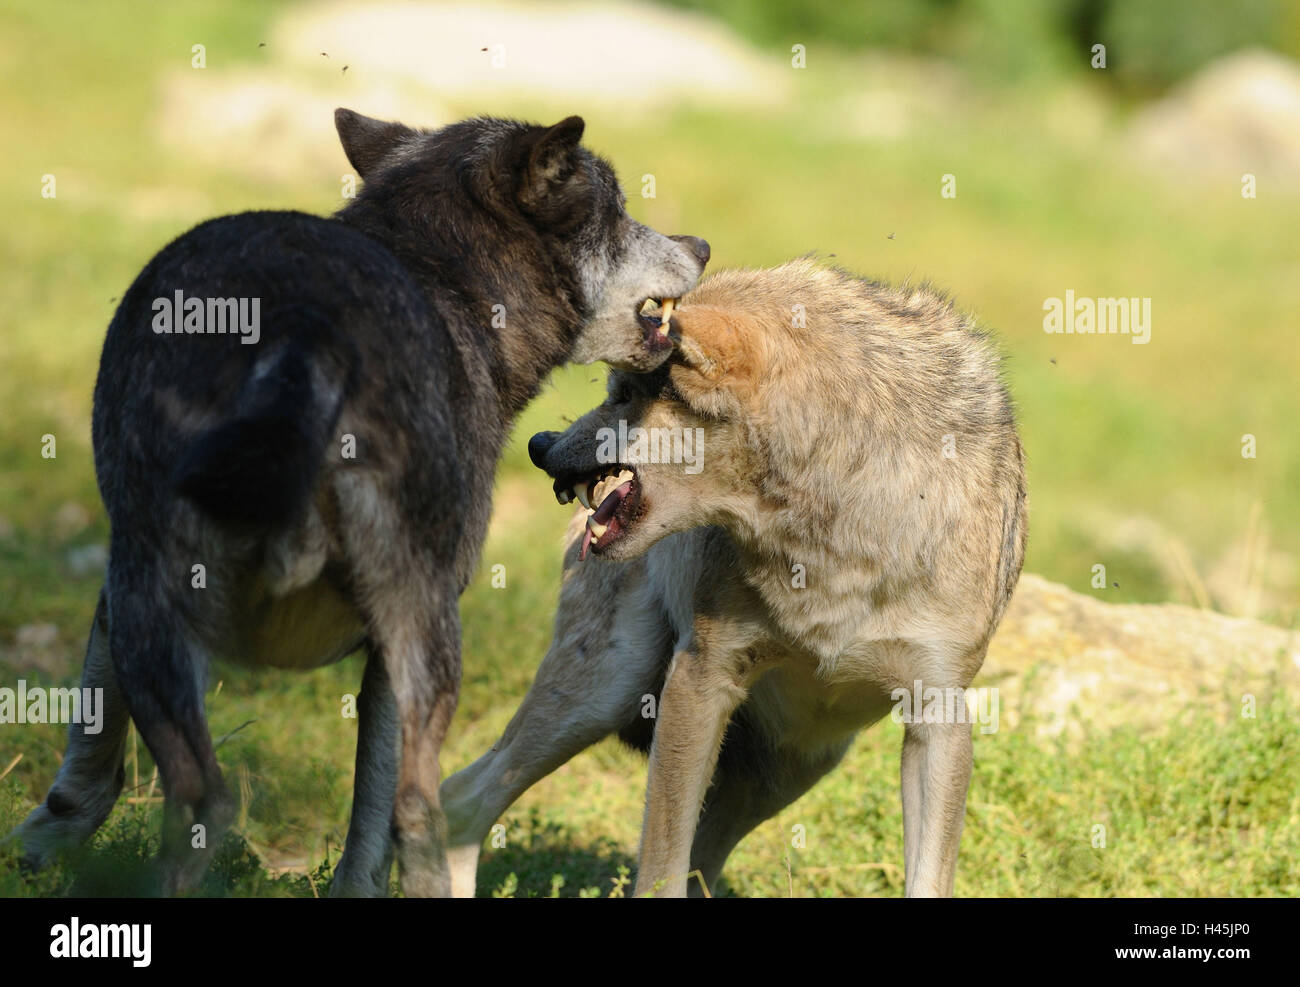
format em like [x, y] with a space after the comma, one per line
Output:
[119, 862]
[545, 859]
[541, 859]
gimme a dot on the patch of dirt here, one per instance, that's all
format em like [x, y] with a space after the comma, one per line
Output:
[407, 61]
[631, 54]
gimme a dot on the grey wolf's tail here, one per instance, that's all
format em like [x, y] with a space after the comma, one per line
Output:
[259, 467]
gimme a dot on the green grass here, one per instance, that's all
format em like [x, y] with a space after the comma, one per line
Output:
[1113, 432]
[1203, 809]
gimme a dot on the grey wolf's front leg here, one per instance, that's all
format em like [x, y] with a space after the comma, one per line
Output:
[936, 774]
[698, 700]
[367, 860]
[592, 682]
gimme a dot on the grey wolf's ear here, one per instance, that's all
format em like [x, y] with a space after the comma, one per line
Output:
[693, 354]
[551, 162]
[367, 141]
[720, 356]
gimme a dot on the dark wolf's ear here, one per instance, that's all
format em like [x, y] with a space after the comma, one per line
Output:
[367, 141]
[551, 163]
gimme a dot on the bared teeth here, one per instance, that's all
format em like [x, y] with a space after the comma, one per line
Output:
[564, 496]
[596, 528]
[580, 491]
[667, 314]
[609, 483]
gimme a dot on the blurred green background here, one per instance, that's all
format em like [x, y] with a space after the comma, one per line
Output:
[1122, 180]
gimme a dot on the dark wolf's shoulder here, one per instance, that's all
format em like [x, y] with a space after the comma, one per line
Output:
[283, 259]
[279, 238]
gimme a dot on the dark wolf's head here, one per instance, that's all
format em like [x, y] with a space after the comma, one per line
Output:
[524, 217]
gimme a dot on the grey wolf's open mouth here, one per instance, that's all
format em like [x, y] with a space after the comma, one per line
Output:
[654, 315]
[612, 498]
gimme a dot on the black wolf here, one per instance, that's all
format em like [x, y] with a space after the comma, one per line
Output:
[296, 425]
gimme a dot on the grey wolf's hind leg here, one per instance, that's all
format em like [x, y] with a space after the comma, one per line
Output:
[753, 782]
[367, 858]
[91, 775]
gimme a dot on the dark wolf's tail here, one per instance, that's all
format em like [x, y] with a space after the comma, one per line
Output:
[259, 467]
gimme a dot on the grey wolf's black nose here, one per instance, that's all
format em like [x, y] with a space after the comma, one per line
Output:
[539, 445]
[697, 246]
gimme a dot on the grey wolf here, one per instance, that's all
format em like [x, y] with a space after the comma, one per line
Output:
[858, 527]
[328, 487]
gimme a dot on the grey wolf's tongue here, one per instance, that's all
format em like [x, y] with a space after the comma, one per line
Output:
[610, 504]
[586, 544]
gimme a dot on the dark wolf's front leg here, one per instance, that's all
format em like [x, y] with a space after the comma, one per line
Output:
[91, 775]
[406, 586]
[367, 858]
[419, 642]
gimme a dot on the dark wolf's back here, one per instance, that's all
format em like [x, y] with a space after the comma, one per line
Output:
[240, 428]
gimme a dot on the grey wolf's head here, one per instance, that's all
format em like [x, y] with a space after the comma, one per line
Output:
[530, 206]
[672, 449]
[803, 409]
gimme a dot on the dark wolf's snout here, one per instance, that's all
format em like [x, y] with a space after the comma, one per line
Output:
[697, 246]
[539, 445]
